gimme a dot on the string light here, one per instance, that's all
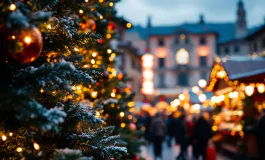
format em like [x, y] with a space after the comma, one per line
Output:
[19, 149]
[181, 97]
[12, 7]
[122, 125]
[81, 11]
[49, 26]
[122, 114]
[128, 25]
[41, 90]
[13, 37]
[93, 61]
[131, 104]
[202, 83]
[214, 128]
[86, 0]
[100, 1]
[101, 17]
[111, 4]
[94, 94]
[94, 54]
[36, 146]
[202, 97]
[195, 89]
[130, 117]
[249, 90]
[109, 51]
[112, 94]
[27, 40]
[261, 88]
[108, 36]
[10, 134]
[76, 49]
[4, 138]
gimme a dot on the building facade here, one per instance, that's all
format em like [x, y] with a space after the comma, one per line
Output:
[183, 54]
[256, 42]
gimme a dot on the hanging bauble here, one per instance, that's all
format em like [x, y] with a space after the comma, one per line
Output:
[111, 26]
[105, 75]
[132, 126]
[88, 26]
[101, 41]
[136, 157]
[24, 46]
[118, 90]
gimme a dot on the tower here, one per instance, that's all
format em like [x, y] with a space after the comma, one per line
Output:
[241, 23]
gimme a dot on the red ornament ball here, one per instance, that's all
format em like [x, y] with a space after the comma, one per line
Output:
[111, 26]
[132, 126]
[89, 25]
[101, 41]
[24, 46]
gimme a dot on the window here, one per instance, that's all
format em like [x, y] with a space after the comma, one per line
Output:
[263, 43]
[187, 41]
[161, 42]
[202, 40]
[203, 61]
[203, 75]
[161, 62]
[183, 79]
[133, 64]
[226, 50]
[161, 80]
[236, 49]
[176, 40]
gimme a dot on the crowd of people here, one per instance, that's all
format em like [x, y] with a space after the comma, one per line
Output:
[185, 130]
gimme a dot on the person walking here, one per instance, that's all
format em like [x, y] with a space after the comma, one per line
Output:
[202, 134]
[260, 136]
[170, 128]
[180, 135]
[158, 131]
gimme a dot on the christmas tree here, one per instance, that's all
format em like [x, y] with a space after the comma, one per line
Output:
[57, 77]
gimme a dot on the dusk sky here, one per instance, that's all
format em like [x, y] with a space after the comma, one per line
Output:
[168, 12]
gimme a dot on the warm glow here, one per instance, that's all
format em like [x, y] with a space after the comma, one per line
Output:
[86, 0]
[195, 89]
[109, 51]
[12, 7]
[19, 149]
[112, 94]
[147, 61]
[94, 54]
[196, 107]
[130, 117]
[203, 51]
[122, 125]
[49, 26]
[214, 128]
[202, 97]
[97, 113]
[233, 94]
[221, 98]
[131, 104]
[214, 99]
[13, 37]
[27, 40]
[186, 106]
[93, 61]
[108, 36]
[36, 146]
[128, 25]
[100, 1]
[41, 90]
[182, 36]
[261, 88]
[148, 74]
[122, 114]
[181, 97]
[221, 74]
[111, 4]
[182, 57]
[76, 49]
[175, 103]
[81, 11]
[4, 138]
[94, 94]
[202, 83]
[249, 90]
[101, 17]
[10, 134]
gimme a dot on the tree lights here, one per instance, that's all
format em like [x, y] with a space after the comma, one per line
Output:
[148, 75]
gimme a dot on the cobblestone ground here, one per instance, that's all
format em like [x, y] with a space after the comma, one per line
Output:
[170, 153]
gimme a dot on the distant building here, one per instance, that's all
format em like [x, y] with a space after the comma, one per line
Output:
[256, 42]
[184, 54]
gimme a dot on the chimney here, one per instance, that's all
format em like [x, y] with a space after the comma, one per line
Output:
[201, 19]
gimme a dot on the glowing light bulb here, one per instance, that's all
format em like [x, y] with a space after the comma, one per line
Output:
[76, 49]
[130, 117]
[221, 74]
[36, 146]
[10, 134]
[97, 113]
[113, 55]
[202, 97]
[19, 149]
[100, 1]
[128, 25]
[111, 4]
[13, 37]
[122, 125]
[261, 88]
[85, 66]
[81, 11]
[109, 51]
[195, 89]
[41, 90]
[86, 0]
[112, 94]
[202, 83]
[12, 7]
[122, 114]
[93, 61]
[214, 128]
[108, 36]
[181, 97]
[101, 17]
[27, 40]
[4, 138]
[94, 54]
[49, 26]
[94, 94]
[249, 90]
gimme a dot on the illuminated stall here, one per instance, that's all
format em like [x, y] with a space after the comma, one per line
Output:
[238, 87]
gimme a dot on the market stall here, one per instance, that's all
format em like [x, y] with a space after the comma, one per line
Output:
[238, 86]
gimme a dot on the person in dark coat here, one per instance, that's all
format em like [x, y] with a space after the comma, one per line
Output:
[158, 131]
[202, 134]
[261, 135]
[147, 122]
[180, 132]
[170, 128]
